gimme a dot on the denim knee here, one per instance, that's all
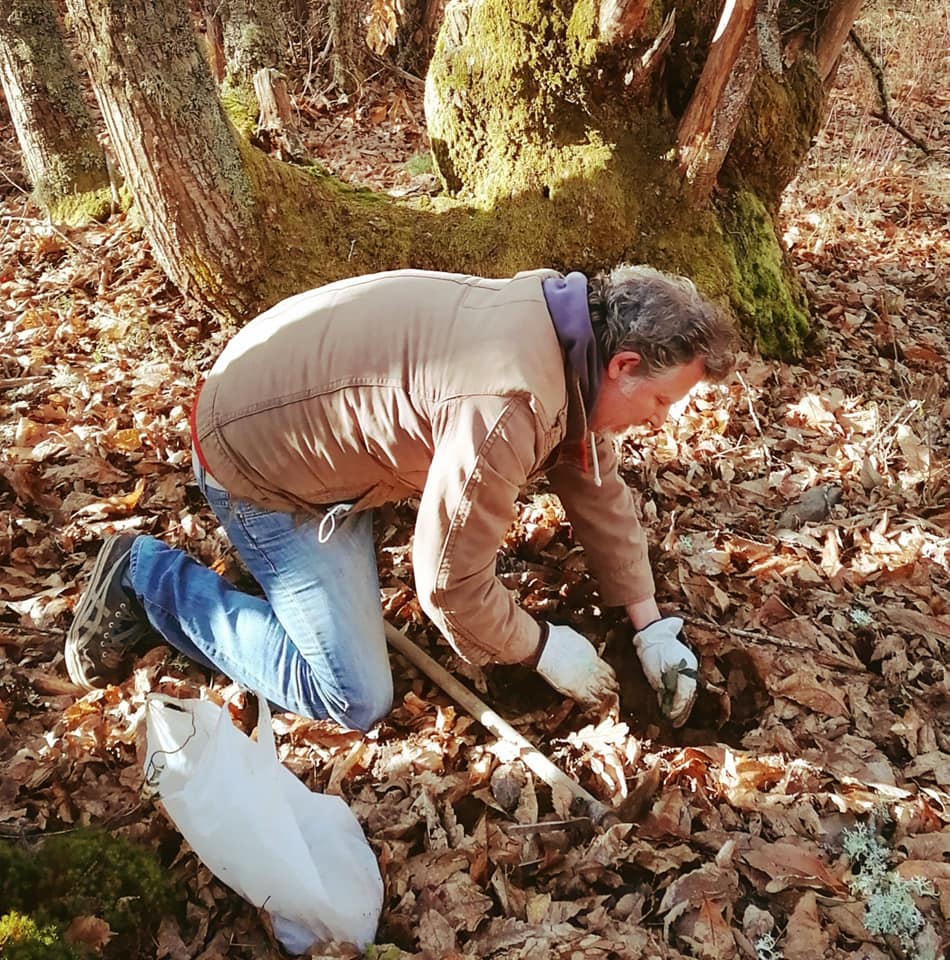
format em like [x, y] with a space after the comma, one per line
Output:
[363, 713]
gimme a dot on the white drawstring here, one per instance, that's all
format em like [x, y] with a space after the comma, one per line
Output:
[323, 532]
[593, 447]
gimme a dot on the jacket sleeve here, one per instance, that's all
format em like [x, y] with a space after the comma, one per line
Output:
[606, 522]
[485, 449]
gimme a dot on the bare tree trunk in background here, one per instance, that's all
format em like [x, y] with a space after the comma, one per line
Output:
[415, 35]
[254, 38]
[195, 196]
[61, 152]
[296, 15]
[833, 33]
[348, 51]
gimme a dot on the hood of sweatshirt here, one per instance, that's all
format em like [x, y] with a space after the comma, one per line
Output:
[566, 299]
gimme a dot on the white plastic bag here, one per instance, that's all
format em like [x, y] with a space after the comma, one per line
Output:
[300, 855]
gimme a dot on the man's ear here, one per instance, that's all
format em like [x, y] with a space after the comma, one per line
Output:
[625, 362]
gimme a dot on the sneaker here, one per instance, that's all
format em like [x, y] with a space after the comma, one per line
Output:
[108, 622]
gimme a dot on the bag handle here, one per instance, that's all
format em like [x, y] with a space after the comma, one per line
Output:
[265, 727]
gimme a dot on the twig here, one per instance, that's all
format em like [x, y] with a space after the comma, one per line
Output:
[760, 636]
[21, 628]
[51, 226]
[533, 759]
[18, 382]
[405, 74]
[884, 114]
[14, 184]
[755, 417]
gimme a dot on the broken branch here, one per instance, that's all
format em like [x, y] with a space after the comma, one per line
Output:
[619, 20]
[712, 116]
[884, 114]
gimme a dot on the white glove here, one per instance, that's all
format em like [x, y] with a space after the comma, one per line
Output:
[670, 666]
[570, 664]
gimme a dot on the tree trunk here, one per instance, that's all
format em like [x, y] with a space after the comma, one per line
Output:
[61, 153]
[178, 152]
[254, 38]
[675, 171]
[408, 36]
[833, 33]
[709, 124]
[348, 51]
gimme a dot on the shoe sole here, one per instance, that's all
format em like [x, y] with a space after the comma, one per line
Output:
[74, 667]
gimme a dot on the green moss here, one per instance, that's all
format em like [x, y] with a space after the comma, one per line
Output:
[92, 873]
[80, 208]
[20, 877]
[386, 951]
[85, 873]
[22, 939]
[508, 79]
[419, 163]
[776, 131]
[582, 32]
[767, 297]
[240, 105]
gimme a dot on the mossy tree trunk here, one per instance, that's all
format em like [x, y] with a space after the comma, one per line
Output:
[674, 127]
[253, 38]
[61, 152]
[568, 134]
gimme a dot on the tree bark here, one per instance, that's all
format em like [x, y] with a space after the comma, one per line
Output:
[579, 120]
[61, 152]
[833, 34]
[174, 144]
[254, 38]
[620, 20]
[214, 32]
[348, 49]
[277, 122]
[712, 117]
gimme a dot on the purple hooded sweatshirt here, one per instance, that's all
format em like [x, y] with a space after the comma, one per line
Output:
[567, 303]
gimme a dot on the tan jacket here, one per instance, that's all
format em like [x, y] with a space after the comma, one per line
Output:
[382, 387]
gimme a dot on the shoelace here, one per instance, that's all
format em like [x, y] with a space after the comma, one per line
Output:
[123, 631]
[121, 634]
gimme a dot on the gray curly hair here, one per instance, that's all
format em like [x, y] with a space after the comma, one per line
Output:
[661, 317]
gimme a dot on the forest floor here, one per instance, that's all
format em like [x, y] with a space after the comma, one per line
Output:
[798, 515]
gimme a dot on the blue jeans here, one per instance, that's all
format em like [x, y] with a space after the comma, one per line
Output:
[314, 644]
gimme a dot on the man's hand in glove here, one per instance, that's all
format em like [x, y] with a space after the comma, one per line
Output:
[570, 664]
[670, 666]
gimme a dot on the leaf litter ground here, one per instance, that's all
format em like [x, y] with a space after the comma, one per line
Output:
[798, 515]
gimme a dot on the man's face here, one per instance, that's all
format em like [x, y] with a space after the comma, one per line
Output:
[628, 399]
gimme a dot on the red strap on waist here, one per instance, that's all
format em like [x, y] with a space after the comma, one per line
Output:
[194, 431]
